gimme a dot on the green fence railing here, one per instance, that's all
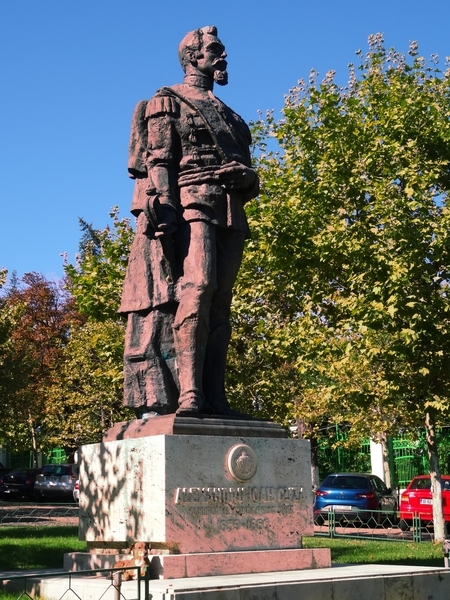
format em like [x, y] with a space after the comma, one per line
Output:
[408, 456]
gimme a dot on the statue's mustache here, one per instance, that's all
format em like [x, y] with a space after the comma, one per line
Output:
[220, 63]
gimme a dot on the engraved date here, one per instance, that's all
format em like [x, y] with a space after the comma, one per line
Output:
[247, 523]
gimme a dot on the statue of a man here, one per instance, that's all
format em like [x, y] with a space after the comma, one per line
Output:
[189, 154]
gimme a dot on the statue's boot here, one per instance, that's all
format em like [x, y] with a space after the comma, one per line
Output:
[190, 340]
[214, 372]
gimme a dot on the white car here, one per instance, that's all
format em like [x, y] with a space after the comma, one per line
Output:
[56, 482]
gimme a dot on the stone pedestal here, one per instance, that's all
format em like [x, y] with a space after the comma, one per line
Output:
[190, 493]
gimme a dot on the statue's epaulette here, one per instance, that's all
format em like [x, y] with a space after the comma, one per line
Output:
[162, 104]
[138, 142]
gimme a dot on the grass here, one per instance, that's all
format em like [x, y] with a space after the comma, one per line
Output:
[43, 547]
[37, 547]
[349, 551]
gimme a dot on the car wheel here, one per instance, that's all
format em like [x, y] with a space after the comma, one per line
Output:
[375, 518]
[394, 519]
[403, 525]
[372, 522]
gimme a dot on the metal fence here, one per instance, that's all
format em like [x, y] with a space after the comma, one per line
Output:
[19, 460]
[375, 525]
[408, 456]
[30, 514]
[103, 584]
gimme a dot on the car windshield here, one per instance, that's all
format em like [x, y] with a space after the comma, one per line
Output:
[425, 484]
[421, 484]
[58, 470]
[20, 473]
[345, 482]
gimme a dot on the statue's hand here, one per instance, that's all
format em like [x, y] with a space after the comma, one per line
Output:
[167, 219]
[236, 176]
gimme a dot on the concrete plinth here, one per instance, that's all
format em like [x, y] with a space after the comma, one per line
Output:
[179, 492]
[177, 566]
[207, 504]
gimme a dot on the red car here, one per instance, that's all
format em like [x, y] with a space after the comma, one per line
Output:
[417, 500]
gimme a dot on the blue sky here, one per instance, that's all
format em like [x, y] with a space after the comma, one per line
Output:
[72, 73]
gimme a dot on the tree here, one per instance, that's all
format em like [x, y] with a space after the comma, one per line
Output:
[8, 318]
[5, 323]
[44, 314]
[88, 392]
[97, 277]
[347, 274]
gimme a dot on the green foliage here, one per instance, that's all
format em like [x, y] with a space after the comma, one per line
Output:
[344, 285]
[61, 377]
[9, 368]
[87, 396]
[38, 314]
[97, 277]
[7, 319]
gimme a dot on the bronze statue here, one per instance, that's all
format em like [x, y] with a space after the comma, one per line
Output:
[189, 154]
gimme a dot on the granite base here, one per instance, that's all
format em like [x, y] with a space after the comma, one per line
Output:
[177, 566]
[197, 493]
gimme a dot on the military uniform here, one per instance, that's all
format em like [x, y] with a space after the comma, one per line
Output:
[178, 286]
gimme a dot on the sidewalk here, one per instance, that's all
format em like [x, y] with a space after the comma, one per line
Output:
[370, 582]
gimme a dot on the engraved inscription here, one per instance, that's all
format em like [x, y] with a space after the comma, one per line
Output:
[253, 524]
[230, 508]
[237, 495]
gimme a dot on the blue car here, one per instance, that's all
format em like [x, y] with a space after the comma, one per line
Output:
[354, 496]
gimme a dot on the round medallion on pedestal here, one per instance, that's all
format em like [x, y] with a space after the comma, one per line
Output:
[242, 462]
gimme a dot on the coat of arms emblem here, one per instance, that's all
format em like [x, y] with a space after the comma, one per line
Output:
[242, 462]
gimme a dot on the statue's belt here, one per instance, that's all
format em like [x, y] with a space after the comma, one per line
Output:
[199, 176]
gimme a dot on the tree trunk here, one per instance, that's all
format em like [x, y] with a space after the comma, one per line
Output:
[388, 461]
[314, 462]
[380, 458]
[33, 442]
[305, 431]
[436, 488]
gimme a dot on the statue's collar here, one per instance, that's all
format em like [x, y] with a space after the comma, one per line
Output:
[199, 80]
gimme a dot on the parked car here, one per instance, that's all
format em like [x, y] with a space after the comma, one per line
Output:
[417, 500]
[4, 471]
[76, 491]
[56, 482]
[354, 496]
[18, 483]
